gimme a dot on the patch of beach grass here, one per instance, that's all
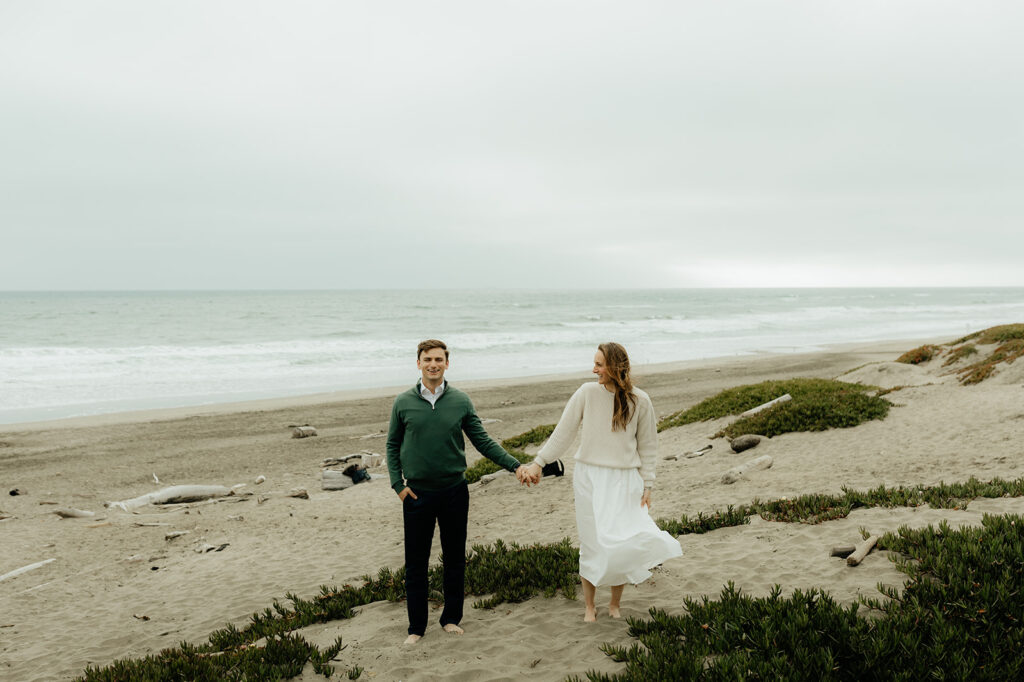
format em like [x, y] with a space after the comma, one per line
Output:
[817, 404]
[1008, 352]
[920, 355]
[957, 617]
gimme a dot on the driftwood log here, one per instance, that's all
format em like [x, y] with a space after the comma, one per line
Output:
[70, 513]
[690, 455]
[487, 478]
[173, 495]
[303, 431]
[771, 403]
[25, 569]
[842, 551]
[862, 551]
[736, 473]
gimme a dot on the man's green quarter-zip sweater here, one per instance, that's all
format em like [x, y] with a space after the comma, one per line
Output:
[425, 446]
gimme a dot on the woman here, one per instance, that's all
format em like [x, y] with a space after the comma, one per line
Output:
[613, 478]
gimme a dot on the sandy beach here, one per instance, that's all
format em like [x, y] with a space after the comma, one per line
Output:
[118, 588]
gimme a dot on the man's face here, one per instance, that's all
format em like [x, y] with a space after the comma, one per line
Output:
[432, 363]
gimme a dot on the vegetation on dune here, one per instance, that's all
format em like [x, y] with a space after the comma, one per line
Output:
[981, 370]
[999, 334]
[960, 353]
[919, 355]
[267, 648]
[817, 404]
[513, 446]
[817, 508]
[954, 578]
[958, 617]
[1009, 336]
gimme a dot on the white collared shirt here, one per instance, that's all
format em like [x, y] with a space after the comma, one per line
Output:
[430, 396]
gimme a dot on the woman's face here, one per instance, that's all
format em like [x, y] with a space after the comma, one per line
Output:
[601, 370]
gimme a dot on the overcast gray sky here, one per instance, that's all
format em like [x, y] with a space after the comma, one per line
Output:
[538, 144]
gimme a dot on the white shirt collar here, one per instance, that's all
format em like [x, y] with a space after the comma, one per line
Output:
[430, 396]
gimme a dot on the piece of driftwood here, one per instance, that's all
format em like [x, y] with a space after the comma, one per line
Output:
[372, 459]
[99, 525]
[176, 534]
[487, 478]
[843, 551]
[862, 551]
[146, 525]
[771, 403]
[303, 431]
[699, 453]
[335, 461]
[689, 455]
[25, 569]
[744, 442]
[70, 513]
[173, 495]
[300, 493]
[736, 473]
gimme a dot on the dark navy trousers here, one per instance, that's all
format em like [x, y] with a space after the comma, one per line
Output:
[449, 510]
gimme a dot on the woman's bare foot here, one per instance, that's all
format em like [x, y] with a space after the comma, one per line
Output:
[454, 629]
[412, 639]
[613, 611]
[590, 616]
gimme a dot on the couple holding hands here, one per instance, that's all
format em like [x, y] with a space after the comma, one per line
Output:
[612, 480]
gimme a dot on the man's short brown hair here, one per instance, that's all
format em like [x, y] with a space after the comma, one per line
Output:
[430, 344]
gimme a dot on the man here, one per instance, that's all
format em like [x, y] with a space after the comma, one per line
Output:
[427, 463]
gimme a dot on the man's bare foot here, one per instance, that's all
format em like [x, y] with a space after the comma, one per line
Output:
[454, 629]
[613, 611]
[590, 616]
[412, 639]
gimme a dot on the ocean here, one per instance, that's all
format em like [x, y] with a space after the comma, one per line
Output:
[65, 354]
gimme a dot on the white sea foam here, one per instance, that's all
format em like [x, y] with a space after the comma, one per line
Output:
[65, 354]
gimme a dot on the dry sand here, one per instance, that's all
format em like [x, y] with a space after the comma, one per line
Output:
[119, 589]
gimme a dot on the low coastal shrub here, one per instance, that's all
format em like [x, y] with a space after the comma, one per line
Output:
[733, 516]
[513, 446]
[998, 334]
[817, 404]
[499, 573]
[1008, 352]
[919, 355]
[484, 466]
[1009, 336]
[827, 411]
[817, 508]
[534, 436]
[960, 353]
[958, 617]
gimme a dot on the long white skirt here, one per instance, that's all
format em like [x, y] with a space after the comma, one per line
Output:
[619, 542]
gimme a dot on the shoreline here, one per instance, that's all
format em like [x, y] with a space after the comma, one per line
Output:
[346, 395]
[130, 584]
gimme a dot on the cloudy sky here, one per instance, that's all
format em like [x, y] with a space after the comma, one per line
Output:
[184, 144]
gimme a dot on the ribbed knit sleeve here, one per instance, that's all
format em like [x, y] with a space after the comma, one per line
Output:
[646, 438]
[566, 430]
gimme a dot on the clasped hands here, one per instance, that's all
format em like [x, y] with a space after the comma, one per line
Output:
[528, 474]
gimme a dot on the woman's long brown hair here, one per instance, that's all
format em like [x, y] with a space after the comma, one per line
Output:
[616, 365]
